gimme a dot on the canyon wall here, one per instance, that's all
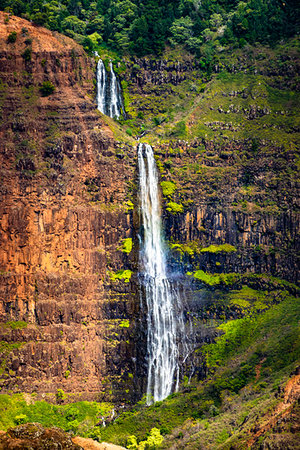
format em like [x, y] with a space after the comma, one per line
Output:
[70, 314]
[64, 180]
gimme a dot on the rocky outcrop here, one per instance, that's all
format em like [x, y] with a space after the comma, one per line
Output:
[35, 436]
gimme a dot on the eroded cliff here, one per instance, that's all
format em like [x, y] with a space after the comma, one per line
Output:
[64, 181]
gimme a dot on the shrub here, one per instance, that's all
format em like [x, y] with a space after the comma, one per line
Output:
[153, 441]
[21, 418]
[174, 208]
[47, 88]
[27, 54]
[12, 37]
[127, 245]
[168, 188]
[60, 395]
[121, 275]
[72, 413]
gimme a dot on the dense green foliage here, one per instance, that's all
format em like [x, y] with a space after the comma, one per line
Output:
[80, 417]
[144, 27]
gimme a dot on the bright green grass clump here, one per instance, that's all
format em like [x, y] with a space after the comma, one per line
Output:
[207, 278]
[124, 275]
[190, 247]
[223, 248]
[168, 188]
[210, 279]
[127, 245]
[174, 208]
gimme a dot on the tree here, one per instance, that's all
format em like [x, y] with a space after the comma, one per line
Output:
[181, 30]
[74, 24]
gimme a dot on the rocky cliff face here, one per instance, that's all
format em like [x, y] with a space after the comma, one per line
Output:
[64, 181]
[68, 186]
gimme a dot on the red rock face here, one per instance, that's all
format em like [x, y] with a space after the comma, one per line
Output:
[62, 219]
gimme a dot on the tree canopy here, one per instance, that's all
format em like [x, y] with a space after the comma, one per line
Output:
[146, 26]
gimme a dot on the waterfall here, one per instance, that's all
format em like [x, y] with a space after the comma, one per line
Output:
[101, 87]
[115, 102]
[109, 98]
[164, 311]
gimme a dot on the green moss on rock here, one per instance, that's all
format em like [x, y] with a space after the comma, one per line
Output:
[174, 208]
[168, 188]
[223, 248]
[123, 275]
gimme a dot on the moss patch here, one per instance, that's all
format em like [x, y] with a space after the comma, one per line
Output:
[121, 275]
[174, 208]
[168, 188]
[223, 248]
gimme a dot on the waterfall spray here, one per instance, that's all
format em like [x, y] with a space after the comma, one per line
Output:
[164, 311]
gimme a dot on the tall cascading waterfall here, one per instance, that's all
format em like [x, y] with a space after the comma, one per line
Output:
[164, 310]
[109, 98]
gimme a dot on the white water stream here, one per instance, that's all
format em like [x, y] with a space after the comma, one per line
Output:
[109, 99]
[114, 104]
[164, 312]
[101, 87]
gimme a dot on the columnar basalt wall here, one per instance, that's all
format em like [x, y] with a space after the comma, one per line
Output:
[63, 219]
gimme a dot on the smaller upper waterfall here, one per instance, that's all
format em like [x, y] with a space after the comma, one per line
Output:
[101, 87]
[109, 98]
[115, 103]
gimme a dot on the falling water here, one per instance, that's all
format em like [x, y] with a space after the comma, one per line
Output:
[109, 99]
[101, 87]
[115, 102]
[164, 316]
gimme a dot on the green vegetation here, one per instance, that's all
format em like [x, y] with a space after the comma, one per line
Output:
[127, 245]
[27, 54]
[174, 208]
[223, 248]
[168, 188]
[141, 28]
[124, 323]
[47, 88]
[225, 279]
[12, 37]
[153, 441]
[80, 417]
[123, 275]
[14, 325]
[190, 248]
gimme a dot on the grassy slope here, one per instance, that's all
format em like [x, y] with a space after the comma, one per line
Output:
[248, 364]
[254, 356]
